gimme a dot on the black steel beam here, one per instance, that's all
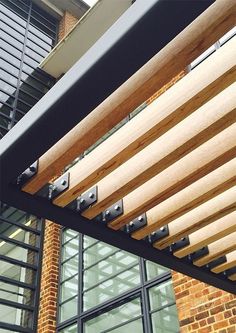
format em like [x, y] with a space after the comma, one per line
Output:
[144, 29]
[65, 217]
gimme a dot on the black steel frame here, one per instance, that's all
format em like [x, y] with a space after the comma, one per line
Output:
[123, 49]
[35, 287]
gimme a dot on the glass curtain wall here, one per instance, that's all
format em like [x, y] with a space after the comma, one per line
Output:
[20, 263]
[105, 289]
[27, 34]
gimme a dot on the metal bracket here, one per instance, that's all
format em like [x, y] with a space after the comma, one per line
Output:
[51, 191]
[179, 244]
[200, 253]
[84, 201]
[27, 174]
[110, 213]
[230, 271]
[87, 199]
[216, 262]
[135, 224]
[158, 234]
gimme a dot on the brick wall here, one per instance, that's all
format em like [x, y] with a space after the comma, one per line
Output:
[66, 24]
[203, 308]
[49, 279]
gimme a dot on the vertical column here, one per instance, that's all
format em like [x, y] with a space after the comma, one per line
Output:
[49, 279]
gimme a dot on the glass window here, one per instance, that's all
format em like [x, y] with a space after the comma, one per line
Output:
[125, 318]
[16, 316]
[69, 288]
[163, 309]
[17, 294]
[69, 309]
[154, 270]
[70, 329]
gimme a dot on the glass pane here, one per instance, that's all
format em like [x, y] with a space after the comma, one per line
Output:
[17, 294]
[115, 317]
[111, 288]
[69, 288]
[70, 329]
[19, 234]
[15, 316]
[153, 270]
[70, 249]
[135, 326]
[17, 273]
[69, 268]
[166, 320]
[88, 241]
[68, 234]
[161, 295]
[68, 309]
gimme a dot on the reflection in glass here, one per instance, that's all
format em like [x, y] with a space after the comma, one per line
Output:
[70, 329]
[153, 270]
[115, 320]
[68, 309]
[166, 320]
[16, 316]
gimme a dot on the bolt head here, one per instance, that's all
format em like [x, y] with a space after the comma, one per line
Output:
[117, 207]
[163, 229]
[107, 212]
[32, 169]
[91, 195]
[153, 233]
[81, 200]
[131, 224]
[140, 218]
[63, 182]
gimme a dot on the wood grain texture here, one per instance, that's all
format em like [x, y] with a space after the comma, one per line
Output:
[190, 197]
[206, 81]
[217, 249]
[209, 234]
[232, 277]
[199, 217]
[186, 136]
[231, 262]
[187, 46]
[206, 158]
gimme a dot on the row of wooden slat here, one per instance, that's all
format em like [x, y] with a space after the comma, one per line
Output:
[176, 160]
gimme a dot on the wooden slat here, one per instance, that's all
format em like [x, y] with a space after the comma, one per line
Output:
[197, 193]
[200, 126]
[199, 217]
[209, 234]
[218, 249]
[232, 277]
[206, 158]
[187, 46]
[174, 105]
[231, 262]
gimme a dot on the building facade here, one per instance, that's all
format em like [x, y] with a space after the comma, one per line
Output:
[54, 279]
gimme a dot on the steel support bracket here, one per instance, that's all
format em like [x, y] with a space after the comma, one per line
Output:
[110, 213]
[230, 271]
[157, 235]
[199, 253]
[179, 244]
[51, 191]
[27, 174]
[216, 262]
[136, 224]
[84, 201]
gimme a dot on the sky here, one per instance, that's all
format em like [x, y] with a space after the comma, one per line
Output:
[90, 2]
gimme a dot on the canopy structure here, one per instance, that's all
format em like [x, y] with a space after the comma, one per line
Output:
[163, 186]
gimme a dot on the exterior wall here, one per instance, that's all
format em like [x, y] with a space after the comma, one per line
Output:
[66, 24]
[203, 308]
[49, 279]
